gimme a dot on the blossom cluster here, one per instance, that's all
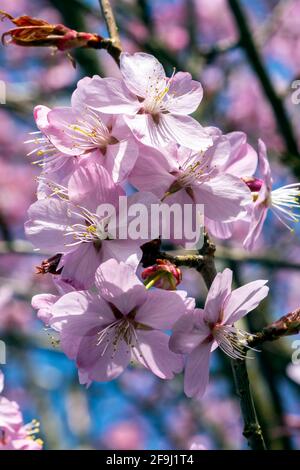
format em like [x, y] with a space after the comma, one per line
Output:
[134, 138]
[14, 434]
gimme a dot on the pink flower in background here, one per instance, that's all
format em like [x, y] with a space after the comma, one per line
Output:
[199, 333]
[124, 435]
[121, 322]
[215, 21]
[283, 202]
[248, 109]
[79, 130]
[155, 107]
[14, 435]
[70, 225]
[17, 191]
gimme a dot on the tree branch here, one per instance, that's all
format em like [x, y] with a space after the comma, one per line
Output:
[287, 325]
[115, 48]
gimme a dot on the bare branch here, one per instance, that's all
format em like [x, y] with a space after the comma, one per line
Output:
[115, 47]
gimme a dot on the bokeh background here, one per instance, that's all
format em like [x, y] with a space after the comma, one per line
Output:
[139, 411]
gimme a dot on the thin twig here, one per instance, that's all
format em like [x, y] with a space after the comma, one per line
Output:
[116, 48]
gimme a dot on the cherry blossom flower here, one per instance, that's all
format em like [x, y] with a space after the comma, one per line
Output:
[199, 333]
[179, 175]
[14, 434]
[71, 226]
[240, 160]
[155, 107]
[283, 202]
[82, 131]
[121, 322]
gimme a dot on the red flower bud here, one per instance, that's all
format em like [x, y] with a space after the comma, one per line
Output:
[163, 274]
[36, 32]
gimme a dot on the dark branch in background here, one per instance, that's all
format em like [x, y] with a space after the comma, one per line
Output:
[6, 234]
[255, 59]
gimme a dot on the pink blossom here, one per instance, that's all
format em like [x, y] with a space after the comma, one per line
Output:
[70, 225]
[199, 333]
[80, 130]
[121, 322]
[14, 435]
[156, 108]
[283, 202]
[180, 175]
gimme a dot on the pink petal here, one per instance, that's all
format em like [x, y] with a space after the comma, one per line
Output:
[162, 308]
[188, 332]
[79, 266]
[151, 171]
[243, 300]
[258, 218]
[142, 73]
[117, 283]
[217, 294]
[127, 251]
[184, 95]
[154, 353]
[222, 230]
[183, 130]
[62, 134]
[40, 114]
[243, 158]
[47, 224]
[108, 95]
[102, 362]
[264, 166]
[225, 198]
[196, 373]
[120, 159]
[44, 303]
[84, 188]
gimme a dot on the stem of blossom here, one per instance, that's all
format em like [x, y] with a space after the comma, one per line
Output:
[254, 57]
[116, 48]
[252, 430]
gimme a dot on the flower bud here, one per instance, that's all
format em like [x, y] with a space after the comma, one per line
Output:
[163, 274]
[36, 32]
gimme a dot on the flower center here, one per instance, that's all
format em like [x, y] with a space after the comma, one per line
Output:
[90, 132]
[190, 173]
[123, 329]
[232, 341]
